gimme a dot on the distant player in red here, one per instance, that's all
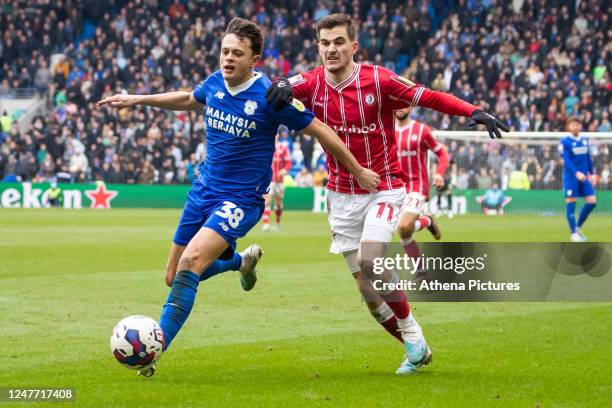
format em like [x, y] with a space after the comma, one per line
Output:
[281, 164]
[357, 101]
[414, 140]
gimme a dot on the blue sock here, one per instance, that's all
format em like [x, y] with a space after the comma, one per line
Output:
[570, 213]
[220, 266]
[584, 213]
[178, 305]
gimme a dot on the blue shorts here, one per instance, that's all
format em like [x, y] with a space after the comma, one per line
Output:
[230, 214]
[575, 188]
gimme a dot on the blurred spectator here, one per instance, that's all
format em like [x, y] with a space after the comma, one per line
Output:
[113, 173]
[319, 176]
[304, 178]
[78, 165]
[463, 180]
[307, 144]
[42, 78]
[483, 180]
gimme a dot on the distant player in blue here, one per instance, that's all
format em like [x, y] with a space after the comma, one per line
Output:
[226, 199]
[577, 174]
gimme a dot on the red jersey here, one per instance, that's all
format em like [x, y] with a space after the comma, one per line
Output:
[280, 160]
[360, 110]
[414, 141]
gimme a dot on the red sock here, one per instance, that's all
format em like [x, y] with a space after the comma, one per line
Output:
[266, 216]
[392, 328]
[279, 212]
[384, 316]
[398, 302]
[412, 249]
[422, 223]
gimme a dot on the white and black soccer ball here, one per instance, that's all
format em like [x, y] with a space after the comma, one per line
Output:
[137, 341]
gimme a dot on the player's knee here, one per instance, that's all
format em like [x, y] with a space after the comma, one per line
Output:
[189, 262]
[364, 285]
[366, 267]
[405, 230]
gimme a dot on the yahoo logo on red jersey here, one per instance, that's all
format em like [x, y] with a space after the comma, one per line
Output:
[354, 129]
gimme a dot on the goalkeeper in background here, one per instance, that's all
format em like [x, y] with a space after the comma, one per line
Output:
[577, 175]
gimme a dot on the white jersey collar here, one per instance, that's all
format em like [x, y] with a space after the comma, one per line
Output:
[406, 126]
[235, 90]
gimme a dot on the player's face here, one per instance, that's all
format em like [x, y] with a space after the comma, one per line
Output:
[574, 127]
[237, 59]
[402, 114]
[335, 48]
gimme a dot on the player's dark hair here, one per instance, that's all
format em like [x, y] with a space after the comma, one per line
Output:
[335, 20]
[242, 29]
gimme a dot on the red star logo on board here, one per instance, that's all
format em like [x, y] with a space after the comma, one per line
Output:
[100, 197]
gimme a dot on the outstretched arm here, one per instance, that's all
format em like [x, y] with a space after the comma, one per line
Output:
[451, 105]
[367, 179]
[178, 101]
[403, 93]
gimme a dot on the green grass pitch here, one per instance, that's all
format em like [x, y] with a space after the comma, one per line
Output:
[302, 337]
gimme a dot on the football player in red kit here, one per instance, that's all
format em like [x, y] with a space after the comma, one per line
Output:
[281, 164]
[357, 101]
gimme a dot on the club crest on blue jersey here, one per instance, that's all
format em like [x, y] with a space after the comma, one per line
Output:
[250, 107]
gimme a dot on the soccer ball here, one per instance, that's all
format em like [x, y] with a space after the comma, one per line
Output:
[137, 341]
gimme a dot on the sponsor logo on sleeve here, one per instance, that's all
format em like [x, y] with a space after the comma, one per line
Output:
[297, 104]
[296, 79]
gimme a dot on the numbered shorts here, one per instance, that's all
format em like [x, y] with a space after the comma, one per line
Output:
[575, 188]
[231, 215]
[414, 203]
[362, 217]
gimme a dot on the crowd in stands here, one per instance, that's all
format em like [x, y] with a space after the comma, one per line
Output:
[533, 62]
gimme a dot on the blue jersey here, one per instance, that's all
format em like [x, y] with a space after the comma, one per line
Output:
[240, 132]
[576, 156]
[493, 197]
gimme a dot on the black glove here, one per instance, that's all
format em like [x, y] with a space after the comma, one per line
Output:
[491, 123]
[279, 93]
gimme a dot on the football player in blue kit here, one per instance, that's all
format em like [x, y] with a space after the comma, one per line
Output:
[577, 174]
[226, 199]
